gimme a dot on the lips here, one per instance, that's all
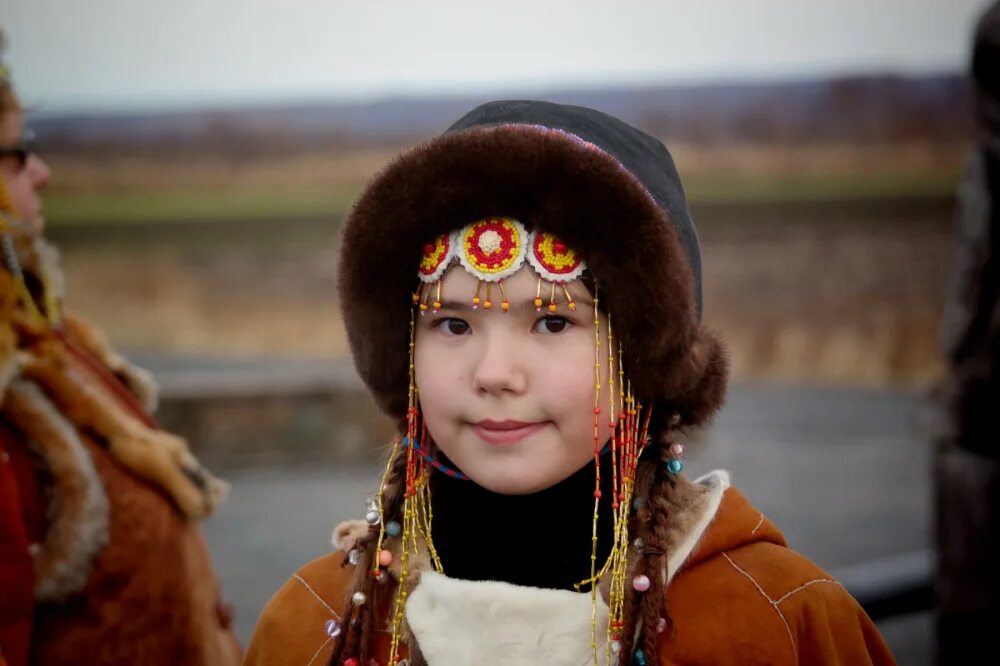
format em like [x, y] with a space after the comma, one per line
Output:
[506, 432]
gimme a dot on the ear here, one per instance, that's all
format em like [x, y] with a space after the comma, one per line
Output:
[702, 380]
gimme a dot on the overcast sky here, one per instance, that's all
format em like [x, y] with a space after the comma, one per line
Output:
[149, 54]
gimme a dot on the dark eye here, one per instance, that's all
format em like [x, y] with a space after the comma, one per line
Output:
[552, 324]
[453, 326]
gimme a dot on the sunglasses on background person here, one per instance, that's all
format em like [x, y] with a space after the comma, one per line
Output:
[20, 150]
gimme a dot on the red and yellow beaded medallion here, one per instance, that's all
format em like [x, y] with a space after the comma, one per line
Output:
[555, 263]
[552, 259]
[436, 258]
[492, 249]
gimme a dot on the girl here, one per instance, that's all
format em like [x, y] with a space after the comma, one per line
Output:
[533, 509]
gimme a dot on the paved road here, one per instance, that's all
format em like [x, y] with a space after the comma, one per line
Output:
[845, 474]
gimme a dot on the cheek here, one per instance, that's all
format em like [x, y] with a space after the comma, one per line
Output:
[439, 380]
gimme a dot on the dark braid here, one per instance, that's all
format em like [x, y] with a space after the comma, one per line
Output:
[653, 487]
[355, 635]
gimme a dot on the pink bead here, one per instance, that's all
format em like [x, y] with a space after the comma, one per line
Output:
[385, 558]
[640, 583]
[661, 625]
[677, 450]
[351, 661]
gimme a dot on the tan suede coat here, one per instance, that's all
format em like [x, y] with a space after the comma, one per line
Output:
[736, 593]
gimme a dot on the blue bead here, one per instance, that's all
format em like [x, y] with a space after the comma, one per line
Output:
[640, 658]
[675, 466]
[392, 528]
[638, 503]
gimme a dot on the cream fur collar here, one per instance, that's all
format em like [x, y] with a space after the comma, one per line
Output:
[499, 624]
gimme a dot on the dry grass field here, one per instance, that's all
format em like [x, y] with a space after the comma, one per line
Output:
[823, 264]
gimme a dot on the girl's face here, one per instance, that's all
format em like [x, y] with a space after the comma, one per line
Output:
[509, 397]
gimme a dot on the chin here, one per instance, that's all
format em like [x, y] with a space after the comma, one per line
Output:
[510, 486]
[522, 477]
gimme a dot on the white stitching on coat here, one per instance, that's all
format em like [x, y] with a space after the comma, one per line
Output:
[318, 598]
[804, 586]
[774, 605]
[320, 649]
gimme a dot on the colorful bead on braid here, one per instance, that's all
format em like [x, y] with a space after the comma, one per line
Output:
[674, 464]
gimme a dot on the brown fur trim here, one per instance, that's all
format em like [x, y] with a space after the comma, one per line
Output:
[8, 335]
[700, 380]
[138, 380]
[10, 367]
[78, 513]
[155, 455]
[548, 181]
[348, 533]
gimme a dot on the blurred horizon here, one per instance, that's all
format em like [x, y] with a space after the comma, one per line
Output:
[97, 57]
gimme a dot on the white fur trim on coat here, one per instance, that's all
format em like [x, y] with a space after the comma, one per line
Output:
[716, 482]
[79, 513]
[490, 623]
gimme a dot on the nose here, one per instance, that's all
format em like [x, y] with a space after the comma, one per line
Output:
[499, 370]
[38, 171]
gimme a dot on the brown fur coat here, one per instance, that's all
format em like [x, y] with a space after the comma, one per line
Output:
[105, 507]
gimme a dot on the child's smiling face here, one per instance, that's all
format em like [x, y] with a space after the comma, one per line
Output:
[509, 397]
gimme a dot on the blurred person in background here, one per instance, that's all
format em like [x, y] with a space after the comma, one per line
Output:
[101, 556]
[967, 474]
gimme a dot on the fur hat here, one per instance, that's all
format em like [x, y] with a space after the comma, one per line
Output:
[608, 190]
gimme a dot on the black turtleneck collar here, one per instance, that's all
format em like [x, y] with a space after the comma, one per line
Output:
[540, 540]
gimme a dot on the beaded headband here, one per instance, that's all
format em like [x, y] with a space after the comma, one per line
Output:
[492, 250]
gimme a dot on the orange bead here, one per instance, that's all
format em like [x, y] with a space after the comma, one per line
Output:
[384, 558]
[552, 307]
